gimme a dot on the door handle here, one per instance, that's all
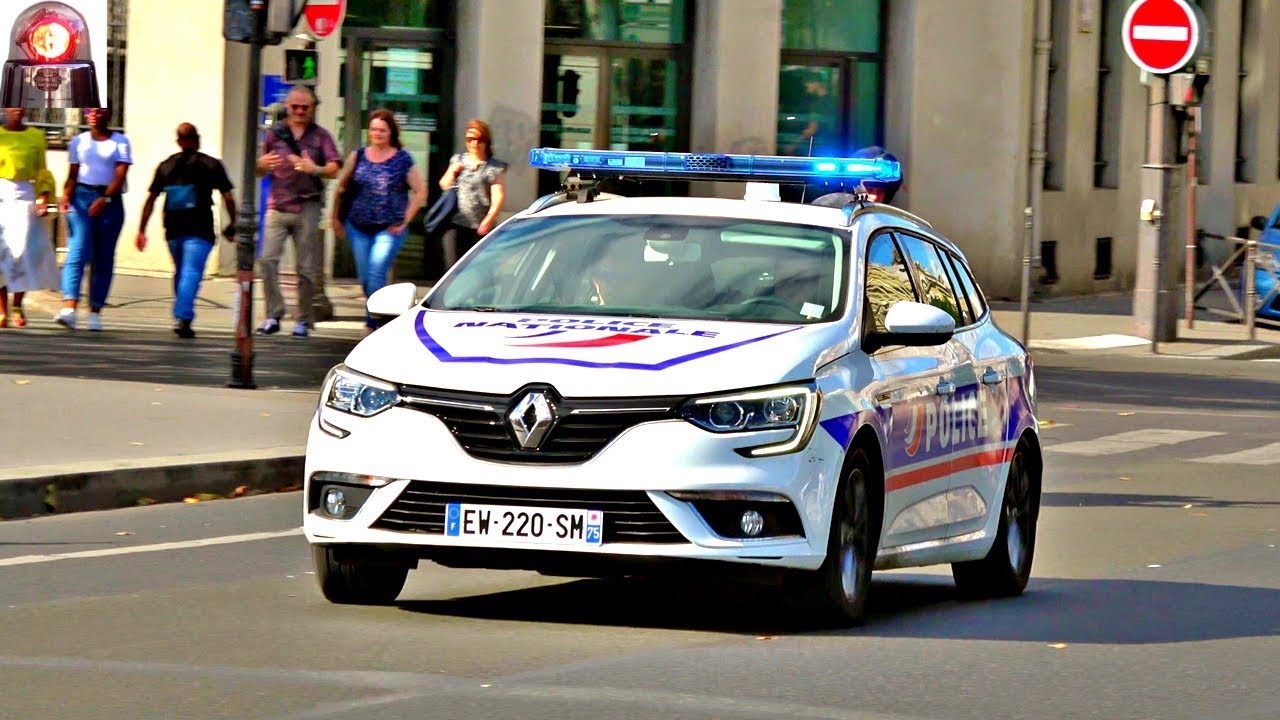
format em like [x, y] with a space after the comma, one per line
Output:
[992, 377]
[946, 387]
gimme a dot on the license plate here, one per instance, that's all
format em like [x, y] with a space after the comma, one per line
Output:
[534, 525]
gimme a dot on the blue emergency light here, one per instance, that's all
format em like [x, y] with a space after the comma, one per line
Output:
[713, 166]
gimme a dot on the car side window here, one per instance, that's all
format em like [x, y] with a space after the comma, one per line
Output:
[887, 279]
[971, 290]
[935, 288]
[961, 300]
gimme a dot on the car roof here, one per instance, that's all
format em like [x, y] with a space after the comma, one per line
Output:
[762, 210]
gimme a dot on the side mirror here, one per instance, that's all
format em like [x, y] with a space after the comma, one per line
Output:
[912, 324]
[392, 300]
[1259, 223]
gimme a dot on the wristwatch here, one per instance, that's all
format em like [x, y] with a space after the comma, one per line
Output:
[108, 199]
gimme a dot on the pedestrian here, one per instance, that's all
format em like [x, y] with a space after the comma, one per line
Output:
[27, 260]
[99, 161]
[481, 181]
[383, 191]
[188, 180]
[298, 154]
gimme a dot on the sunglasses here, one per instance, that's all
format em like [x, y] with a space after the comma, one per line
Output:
[299, 108]
[474, 139]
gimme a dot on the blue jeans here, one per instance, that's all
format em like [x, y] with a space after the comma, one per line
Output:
[91, 241]
[189, 256]
[374, 255]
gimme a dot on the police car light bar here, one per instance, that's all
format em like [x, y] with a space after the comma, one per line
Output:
[713, 166]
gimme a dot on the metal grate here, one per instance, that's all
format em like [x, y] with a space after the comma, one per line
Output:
[708, 162]
[583, 426]
[629, 515]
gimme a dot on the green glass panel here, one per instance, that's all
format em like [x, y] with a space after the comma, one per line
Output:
[809, 115]
[841, 25]
[397, 13]
[643, 113]
[865, 125]
[649, 21]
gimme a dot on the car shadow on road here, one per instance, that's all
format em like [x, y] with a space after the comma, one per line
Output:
[1091, 500]
[1107, 612]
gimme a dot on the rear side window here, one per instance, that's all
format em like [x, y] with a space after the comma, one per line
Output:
[935, 287]
[970, 287]
[887, 280]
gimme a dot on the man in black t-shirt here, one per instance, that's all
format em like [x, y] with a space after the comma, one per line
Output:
[188, 180]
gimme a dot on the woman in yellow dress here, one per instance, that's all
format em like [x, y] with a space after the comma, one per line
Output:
[27, 260]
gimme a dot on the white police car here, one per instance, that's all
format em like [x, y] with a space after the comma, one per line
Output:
[629, 385]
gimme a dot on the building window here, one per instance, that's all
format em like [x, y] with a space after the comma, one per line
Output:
[413, 14]
[613, 74]
[1056, 121]
[830, 85]
[1249, 92]
[60, 125]
[1111, 59]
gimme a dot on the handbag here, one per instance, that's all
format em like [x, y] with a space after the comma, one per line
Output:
[443, 209]
[348, 196]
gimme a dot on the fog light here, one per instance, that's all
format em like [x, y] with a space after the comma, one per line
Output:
[751, 523]
[335, 502]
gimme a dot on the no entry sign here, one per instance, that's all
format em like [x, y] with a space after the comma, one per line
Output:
[323, 16]
[1161, 35]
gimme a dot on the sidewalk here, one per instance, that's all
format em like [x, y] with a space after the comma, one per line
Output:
[134, 415]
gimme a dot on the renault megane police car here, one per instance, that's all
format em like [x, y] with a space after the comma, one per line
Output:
[622, 385]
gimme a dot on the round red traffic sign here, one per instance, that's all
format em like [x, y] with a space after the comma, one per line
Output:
[323, 16]
[1161, 35]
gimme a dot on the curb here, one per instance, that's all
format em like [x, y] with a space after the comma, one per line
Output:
[73, 490]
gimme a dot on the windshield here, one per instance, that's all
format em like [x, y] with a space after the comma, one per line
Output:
[654, 266]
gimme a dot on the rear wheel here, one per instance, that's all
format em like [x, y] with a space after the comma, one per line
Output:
[1005, 570]
[352, 582]
[839, 589]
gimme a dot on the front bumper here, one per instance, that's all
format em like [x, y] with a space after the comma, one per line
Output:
[54, 85]
[424, 463]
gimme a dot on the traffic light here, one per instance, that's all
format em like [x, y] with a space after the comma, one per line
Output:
[301, 67]
[569, 92]
[260, 22]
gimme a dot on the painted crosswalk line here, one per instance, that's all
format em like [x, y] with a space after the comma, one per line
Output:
[1130, 441]
[1265, 455]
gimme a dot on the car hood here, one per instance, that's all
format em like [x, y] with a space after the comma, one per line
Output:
[591, 356]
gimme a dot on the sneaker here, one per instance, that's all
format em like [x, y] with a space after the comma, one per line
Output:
[66, 317]
[95, 322]
[270, 326]
[184, 331]
[300, 330]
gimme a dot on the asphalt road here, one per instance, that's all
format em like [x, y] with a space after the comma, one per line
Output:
[1156, 595]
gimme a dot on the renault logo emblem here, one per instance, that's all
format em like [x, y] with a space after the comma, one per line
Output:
[531, 419]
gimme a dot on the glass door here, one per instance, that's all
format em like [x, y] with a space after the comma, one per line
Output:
[408, 79]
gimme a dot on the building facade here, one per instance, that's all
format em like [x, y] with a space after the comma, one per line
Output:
[946, 85]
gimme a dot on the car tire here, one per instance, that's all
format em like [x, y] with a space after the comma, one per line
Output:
[839, 588]
[1005, 570]
[356, 583]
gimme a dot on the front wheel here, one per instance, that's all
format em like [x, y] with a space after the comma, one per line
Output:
[839, 588]
[348, 582]
[1005, 570]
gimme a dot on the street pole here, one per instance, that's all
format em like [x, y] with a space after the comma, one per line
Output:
[1154, 306]
[246, 243]
[1189, 278]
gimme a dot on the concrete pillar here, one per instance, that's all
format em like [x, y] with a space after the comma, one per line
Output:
[735, 79]
[963, 135]
[499, 80]
[1215, 200]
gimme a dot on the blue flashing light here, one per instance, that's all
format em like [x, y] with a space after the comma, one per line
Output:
[714, 166]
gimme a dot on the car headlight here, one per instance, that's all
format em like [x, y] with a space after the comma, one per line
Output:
[352, 392]
[793, 407]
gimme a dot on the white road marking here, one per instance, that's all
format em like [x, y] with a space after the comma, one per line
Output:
[1130, 441]
[1173, 33]
[1265, 455]
[159, 547]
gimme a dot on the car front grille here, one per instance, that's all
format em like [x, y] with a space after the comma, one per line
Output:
[629, 515]
[582, 427]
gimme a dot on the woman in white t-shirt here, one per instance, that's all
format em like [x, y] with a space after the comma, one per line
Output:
[99, 160]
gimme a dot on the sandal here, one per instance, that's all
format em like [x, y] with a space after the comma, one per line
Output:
[19, 318]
